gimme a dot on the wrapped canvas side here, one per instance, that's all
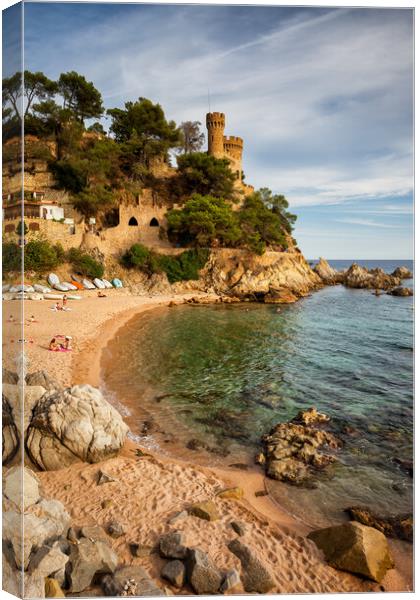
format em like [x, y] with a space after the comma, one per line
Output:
[14, 501]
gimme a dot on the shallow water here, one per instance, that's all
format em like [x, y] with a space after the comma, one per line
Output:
[225, 374]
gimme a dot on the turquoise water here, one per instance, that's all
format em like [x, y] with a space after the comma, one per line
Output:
[225, 374]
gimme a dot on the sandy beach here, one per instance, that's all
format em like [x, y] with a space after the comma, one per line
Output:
[150, 489]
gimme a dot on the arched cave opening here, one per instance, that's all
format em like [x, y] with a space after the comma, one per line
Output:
[133, 222]
[154, 222]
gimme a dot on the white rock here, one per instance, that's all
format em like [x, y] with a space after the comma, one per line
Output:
[21, 486]
[73, 424]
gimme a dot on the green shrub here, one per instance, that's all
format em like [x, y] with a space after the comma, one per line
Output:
[185, 266]
[11, 257]
[84, 264]
[41, 256]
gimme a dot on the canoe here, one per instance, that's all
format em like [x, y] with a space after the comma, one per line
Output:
[73, 297]
[53, 296]
[70, 286]
[99, 283]
[21, 287]
[107, 283]
[76, 278]
[35, 296]
[88, 285]
[53, 279]
[117, 283]
[77, 285]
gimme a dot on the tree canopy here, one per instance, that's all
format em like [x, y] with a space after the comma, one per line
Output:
[200, 173]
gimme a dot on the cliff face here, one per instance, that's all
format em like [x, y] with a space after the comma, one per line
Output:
[242, 273]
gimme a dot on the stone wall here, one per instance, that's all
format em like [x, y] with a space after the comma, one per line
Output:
[53, 231]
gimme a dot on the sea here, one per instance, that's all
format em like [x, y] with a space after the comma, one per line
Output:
[204, 383]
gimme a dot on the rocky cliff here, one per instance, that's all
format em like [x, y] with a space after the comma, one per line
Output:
[279, 277]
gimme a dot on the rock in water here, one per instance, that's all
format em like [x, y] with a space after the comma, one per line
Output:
[310, 417]
[204, 510]
[396, 526]
[325, 271]
[11, 441]
[401, 291]
[73, 424]
[171, 545]
[174, 572]
[355, 548]
[43, 379]
[256, 578]
[87, 559]
[293, 452]
[280, 295]
[202, 574]
[402, 273]
[377, 279]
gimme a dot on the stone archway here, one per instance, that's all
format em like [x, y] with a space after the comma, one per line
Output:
[154, 222]
[133, 222]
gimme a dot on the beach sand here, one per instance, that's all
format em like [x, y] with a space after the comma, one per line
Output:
[149, 490]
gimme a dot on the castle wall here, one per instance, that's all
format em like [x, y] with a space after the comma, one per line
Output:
[69, 236]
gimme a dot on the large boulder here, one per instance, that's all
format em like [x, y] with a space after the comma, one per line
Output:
[47, 521]
[74, 424]
[171, 545]
[355, 548]
[255, 576]
[11, 439]
[88, 558]
[203, 576]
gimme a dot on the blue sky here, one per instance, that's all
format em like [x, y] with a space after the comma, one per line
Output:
[322, 98]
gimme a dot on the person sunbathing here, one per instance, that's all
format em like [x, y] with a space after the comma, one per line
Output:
[57, 306]
[101, 295]
[66, 345]
[11, 319]
[32, 319]
[54, 345]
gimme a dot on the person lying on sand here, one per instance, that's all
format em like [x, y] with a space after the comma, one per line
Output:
[32, 319]
[11, 319]
[101, 295]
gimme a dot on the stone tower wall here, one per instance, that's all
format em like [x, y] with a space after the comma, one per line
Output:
[233, 147]
[215, 123]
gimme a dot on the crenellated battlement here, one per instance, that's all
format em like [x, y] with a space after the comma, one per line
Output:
[233, 140]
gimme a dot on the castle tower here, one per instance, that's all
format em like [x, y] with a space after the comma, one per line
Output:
[232, 148]
[215, 123]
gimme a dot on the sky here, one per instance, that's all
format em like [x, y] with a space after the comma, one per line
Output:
[323, 98]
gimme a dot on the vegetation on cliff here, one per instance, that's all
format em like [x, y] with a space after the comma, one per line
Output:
[183, 267]
[96, 168]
